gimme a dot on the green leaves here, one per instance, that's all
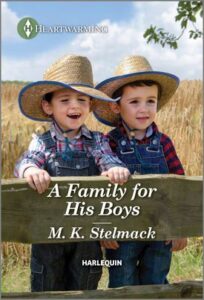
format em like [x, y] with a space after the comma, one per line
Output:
[158, 35]
[149, 31]
[184, 23]
[187, 12]
[195, 34]
[192, 18]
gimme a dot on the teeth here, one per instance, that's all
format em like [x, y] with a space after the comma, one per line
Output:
[74, 114]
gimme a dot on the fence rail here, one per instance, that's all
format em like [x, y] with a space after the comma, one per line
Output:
[169, 205]
[188, 289]
[159, 207]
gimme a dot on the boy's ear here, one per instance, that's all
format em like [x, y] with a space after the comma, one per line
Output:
[114, 107]
[47, 108]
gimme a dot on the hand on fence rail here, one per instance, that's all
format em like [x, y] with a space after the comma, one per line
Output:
[178, 244]
[117, 174]
[37, 179]
[109, 244]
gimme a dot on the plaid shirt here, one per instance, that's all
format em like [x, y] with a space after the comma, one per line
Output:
[172, 160]
[37, 154]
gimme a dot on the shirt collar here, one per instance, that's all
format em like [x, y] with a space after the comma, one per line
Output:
[56, 133]
[152, 129]
[149, 131]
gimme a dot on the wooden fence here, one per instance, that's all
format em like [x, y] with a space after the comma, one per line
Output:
[156, 207]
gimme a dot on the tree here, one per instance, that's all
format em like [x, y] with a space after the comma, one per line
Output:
[187, 13]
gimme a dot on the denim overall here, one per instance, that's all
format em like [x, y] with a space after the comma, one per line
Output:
[143, 262]
[58, 267]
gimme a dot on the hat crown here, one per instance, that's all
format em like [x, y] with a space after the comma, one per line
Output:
[133, 64]
[71, 69]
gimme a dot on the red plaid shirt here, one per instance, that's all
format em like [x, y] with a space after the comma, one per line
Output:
[172, 160]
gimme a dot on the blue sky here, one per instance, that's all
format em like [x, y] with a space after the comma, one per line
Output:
[64, 13]
[126, 22]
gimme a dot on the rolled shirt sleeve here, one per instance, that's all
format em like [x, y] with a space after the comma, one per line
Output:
[34, 157]
[103, 155]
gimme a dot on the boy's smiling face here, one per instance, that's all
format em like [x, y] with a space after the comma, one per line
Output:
[69, 108]
[138, 107]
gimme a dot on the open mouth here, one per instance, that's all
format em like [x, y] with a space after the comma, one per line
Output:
[74, 116]
[142, 118]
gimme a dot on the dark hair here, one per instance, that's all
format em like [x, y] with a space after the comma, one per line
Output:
[119, 92]
[48, 97]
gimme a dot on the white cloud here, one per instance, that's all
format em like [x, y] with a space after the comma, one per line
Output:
[9, 23]
[26, 69]
[106, 49]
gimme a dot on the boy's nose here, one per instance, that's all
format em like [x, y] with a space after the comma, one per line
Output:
[143, 107]
[74, 103]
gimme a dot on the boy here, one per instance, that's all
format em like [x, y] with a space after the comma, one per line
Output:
[136, 140]
[67, 149]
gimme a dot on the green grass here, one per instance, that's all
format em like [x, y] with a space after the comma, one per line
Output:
[16, 279]
[186, 265]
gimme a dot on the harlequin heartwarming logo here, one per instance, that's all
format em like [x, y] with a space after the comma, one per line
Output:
[28, 28]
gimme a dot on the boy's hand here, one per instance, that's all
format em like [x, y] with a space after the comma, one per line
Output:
[109, 244]
[37, 179]
[178, 244]
[117, 174]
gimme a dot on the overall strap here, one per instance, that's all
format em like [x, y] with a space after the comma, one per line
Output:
[115, 134]
[122, 141]
[48, 140]
[89, 143]
[155, 142]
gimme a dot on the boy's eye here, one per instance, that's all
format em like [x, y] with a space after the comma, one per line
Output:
[64, 100]
[82, 100]
[152, 101]
[133, 101]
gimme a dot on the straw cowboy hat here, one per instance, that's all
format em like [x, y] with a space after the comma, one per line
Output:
[133, 68]
[71, 71]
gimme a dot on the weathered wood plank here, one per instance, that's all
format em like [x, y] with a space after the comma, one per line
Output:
[188, 289]
[174, 210]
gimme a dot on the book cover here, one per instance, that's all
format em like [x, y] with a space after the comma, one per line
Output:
[37, 33]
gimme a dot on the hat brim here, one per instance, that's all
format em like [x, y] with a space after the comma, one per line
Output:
[31, 96]
[168, 83]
